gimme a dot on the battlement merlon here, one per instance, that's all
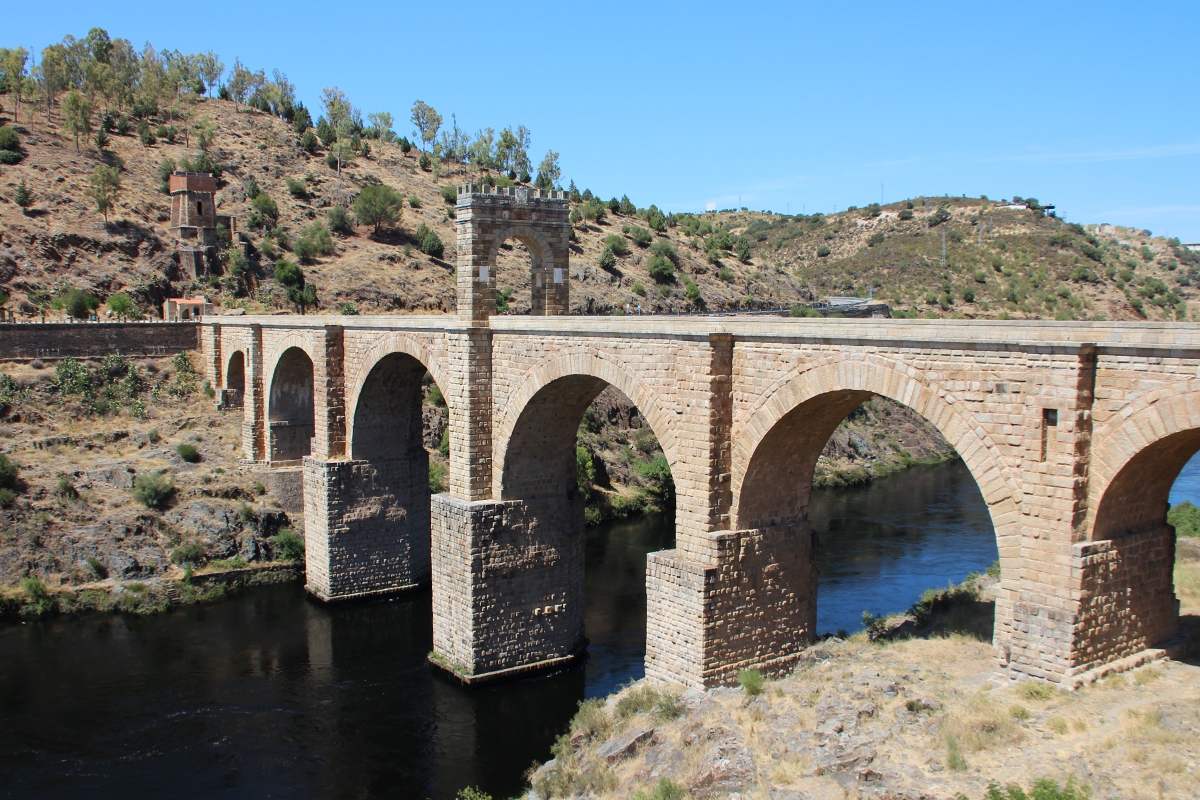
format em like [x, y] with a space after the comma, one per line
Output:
[515, 194]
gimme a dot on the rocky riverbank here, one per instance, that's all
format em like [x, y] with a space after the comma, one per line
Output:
[918, 712]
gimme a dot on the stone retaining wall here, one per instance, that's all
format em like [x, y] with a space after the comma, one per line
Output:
[21, 341]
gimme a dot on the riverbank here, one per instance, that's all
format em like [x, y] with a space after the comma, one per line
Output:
[911, 708]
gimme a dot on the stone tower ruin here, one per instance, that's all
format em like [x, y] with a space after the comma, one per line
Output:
[194, 219]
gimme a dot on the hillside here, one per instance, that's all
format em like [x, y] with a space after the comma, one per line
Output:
[998, 261]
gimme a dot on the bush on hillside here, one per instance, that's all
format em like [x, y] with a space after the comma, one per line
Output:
[661, 269]
[297, 188]
[616, 244]
[152, 489]
[607, 261]
[450, 194]
[9, 139]
[641, 237]
[429, 242]
[1185, 518]
[339, 220]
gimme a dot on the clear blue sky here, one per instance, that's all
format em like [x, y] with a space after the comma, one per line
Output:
[1093, 107]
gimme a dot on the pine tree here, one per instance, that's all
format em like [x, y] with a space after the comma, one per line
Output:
[24, 195]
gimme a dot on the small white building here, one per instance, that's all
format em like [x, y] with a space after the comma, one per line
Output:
[180, 309]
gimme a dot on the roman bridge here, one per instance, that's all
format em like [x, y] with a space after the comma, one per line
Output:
[1074, 433]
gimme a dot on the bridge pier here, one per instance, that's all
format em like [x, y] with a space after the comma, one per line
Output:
[507, 586]
[366, 526]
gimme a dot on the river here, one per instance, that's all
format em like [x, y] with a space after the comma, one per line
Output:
[272, 695]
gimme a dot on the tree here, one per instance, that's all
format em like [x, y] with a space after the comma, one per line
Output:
[288, 273]
[337, 106]
[240, 83]
[51, 74]
[121, 305]
[381, 124]
[13, 74]
[512, 154]
[380, 206]
[549, 173]
[23, 196]
[210, 69]
[105, 188]
[77, 116]
[427, 121]
[206, 131]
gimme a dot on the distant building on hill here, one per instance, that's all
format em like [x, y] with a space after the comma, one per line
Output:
[194, 220]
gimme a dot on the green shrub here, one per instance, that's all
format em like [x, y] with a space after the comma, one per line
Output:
[414, 201]
[9, 139]
[304, 249]
[905, 214]
[188, 453]
[37, 599]
[450, 194]
[8, 472]
[665, 789]
[692, 292]
[437, 477]
[751, 681]
[297, 188]
[664, 248]
[725, 274]
[640, 236]
[876, 239]
[429, 242]
[287, 273]
[308, 142]
[823, 250]
[661, 269]
[638, 289]
[1185, 517]
[803, 311]
[616, 244]
[288, 546]
[607, 260]
[954, 757]
[187, 553]
[348, 309]
[152, 489]
[1042, 789]
[339, 220]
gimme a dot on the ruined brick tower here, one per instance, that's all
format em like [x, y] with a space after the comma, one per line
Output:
[194, 218]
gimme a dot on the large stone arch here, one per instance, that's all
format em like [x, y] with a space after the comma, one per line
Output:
[233, 376]
[582, 364]
[385, 347]
[826, 389]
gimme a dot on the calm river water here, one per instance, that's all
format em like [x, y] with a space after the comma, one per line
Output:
[272, 695]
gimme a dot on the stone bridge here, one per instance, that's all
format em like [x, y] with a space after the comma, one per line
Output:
[1074, 433]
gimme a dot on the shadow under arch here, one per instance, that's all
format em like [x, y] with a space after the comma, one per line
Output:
[235, 380]
[290, 415]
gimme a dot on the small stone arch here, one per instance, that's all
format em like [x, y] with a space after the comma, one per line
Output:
[234, 392]
[290, 409]
[591, 372]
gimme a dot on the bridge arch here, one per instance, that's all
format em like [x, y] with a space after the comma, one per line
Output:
[387, 348]
[290, 412]
[807, 406]
[558, 392]
[1136, 459]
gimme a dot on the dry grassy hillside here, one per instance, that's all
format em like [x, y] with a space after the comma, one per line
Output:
[998, 261]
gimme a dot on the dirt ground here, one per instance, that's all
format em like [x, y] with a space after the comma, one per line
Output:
[927, 717]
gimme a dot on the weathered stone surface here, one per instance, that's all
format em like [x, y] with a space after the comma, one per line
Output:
[1073, 432]
[625, 744]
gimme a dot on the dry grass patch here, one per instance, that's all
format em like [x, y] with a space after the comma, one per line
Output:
[983, 725]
